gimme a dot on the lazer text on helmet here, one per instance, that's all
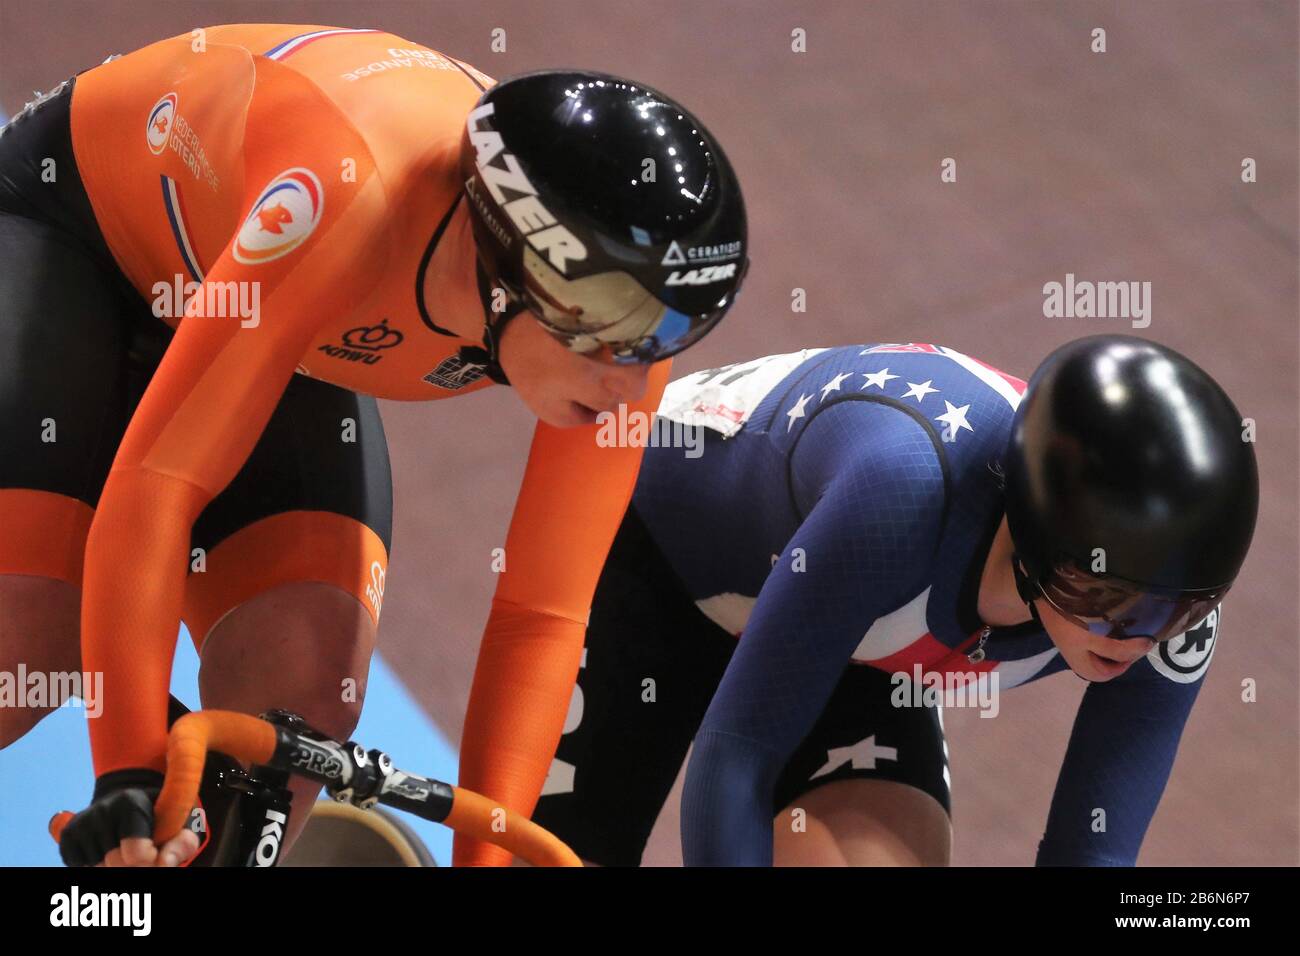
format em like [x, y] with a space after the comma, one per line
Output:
[501, 171]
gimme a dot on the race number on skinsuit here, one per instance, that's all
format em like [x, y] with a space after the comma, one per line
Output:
[723, 398]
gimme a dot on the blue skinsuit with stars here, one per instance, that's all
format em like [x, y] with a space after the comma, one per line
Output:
[841, 509]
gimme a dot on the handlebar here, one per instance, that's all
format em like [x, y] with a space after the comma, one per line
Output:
[347, 771]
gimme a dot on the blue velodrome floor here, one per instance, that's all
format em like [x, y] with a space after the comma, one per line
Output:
[55, 760]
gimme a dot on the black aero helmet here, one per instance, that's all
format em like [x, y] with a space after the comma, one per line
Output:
[1123, 445]
[606, 209]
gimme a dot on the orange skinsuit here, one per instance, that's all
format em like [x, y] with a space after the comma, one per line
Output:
[320, 164]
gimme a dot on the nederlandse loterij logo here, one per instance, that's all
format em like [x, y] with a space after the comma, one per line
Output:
[282, 218]
[159, 128]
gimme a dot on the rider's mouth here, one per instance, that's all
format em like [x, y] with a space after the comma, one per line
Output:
[1109, 666]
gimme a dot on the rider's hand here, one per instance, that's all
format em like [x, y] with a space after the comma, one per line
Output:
[562, 387]
[117, 828]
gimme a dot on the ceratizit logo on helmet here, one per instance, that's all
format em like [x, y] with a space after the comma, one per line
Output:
[701, 255]
[501, 172]
[705, 263]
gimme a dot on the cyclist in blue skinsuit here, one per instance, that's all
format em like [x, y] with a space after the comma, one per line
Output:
[870, 511]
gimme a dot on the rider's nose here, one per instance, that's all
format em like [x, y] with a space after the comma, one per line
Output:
[628, 382]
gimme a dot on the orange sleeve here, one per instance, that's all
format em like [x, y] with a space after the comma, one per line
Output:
[572, 501]
[197, 423]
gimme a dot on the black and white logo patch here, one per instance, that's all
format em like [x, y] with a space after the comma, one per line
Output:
[455, 372]
[1185, 657]
[860, 756]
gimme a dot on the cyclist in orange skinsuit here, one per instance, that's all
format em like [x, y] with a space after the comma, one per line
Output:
[309, 184]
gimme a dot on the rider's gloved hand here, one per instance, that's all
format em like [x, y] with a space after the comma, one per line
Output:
[117, 828]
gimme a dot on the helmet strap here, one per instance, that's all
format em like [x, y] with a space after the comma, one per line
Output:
[494, 326]
[1033, 612]
[1026, 588]
[1028, 591]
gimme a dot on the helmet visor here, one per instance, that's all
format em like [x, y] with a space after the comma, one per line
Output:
[674, 332]
[1112, 607]
[613, 310]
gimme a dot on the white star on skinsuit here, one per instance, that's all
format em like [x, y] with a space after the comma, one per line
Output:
[877, 379]
[919, 392]
[955, 419]
[834, 384]
[797, 411]
[864, 755]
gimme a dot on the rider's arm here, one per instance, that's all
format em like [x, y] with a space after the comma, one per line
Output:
[198, 421]
[862, 551]
[573, 497]
[1121, 752]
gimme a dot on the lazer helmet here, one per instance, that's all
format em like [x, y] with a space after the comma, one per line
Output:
[1131, 494]
[605, 209]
